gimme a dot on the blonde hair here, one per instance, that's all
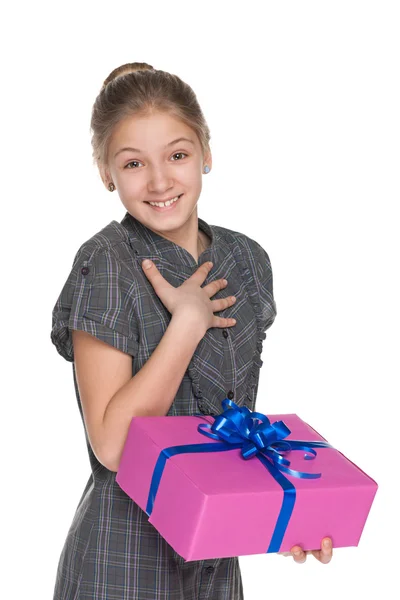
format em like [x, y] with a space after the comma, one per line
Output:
[139, 89]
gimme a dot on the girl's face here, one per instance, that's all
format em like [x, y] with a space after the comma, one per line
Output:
[148, 164]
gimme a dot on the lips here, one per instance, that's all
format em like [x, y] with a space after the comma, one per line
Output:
[166, 209]
[179, 195]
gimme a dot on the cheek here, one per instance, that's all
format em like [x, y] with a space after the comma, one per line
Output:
[132, 186]
[193, 179]
[191, 171]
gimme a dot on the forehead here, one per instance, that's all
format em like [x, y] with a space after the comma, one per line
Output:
[150, 133]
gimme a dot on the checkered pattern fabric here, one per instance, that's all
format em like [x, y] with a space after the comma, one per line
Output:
[111, 551]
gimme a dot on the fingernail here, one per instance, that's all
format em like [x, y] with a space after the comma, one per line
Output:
[297, 553]
[225, 281]
[147, 263]
[327, 544]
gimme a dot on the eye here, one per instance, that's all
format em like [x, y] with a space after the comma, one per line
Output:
[131, 163]
[177, 153]
[138, 162]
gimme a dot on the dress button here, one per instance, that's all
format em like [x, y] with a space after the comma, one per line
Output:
[85, 270]
[209, 569]
[225, 333]
[230, 395]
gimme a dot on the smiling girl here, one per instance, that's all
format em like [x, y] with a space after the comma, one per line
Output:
[145, 339]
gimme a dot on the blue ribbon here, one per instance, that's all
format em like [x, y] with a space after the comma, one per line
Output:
[239, 427]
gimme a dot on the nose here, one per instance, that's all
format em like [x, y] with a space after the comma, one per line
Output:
[160, 181]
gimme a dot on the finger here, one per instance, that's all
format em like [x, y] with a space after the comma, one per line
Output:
[223, 303]
[298, 554]
[325, 554]
[153, 274]
[223, 322]
[200, 275]
[214, 286]
[148, 266]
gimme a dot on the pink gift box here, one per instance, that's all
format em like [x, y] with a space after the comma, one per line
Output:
[218, 504]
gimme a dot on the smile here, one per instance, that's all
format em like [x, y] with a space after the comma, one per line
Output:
[163, 206]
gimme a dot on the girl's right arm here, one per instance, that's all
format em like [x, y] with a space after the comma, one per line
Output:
[111, 397]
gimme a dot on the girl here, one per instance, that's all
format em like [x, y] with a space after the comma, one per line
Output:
[143, 338]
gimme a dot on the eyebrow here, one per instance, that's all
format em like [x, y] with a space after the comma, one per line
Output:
[181, 139]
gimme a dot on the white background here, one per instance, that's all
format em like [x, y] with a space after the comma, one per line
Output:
[302, 99]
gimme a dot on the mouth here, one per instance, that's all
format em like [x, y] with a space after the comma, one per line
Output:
[166, 208]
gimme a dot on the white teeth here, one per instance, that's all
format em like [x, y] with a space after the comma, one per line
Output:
[168, 203]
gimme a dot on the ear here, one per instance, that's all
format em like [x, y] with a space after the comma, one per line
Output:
[105, 175]
[208, 158]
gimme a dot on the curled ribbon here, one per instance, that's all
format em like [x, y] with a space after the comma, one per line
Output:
[240, 426]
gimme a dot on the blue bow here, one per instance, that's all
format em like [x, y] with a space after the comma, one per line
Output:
[239, 426]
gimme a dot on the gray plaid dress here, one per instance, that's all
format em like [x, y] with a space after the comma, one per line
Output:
[111, 551]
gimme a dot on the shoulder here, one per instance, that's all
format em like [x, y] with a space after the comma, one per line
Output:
[112, 240]
[104, 264]
[100, 268]
[250, 247]
[98, 295]
[254, 260]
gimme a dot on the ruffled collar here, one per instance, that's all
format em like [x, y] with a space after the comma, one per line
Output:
[147, 243]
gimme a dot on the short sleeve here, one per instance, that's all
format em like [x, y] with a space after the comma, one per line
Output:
[98, 297]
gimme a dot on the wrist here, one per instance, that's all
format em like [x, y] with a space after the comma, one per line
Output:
[189, 323]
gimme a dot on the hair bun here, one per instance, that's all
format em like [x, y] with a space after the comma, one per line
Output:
[125, 69]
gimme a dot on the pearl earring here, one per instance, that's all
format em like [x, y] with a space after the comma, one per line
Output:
[206, 169]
